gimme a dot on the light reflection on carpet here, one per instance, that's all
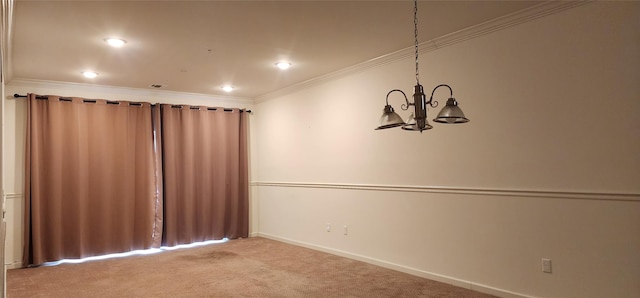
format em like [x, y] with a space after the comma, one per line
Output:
[135, 252]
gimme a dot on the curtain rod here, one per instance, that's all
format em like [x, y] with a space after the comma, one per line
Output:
[16, 95]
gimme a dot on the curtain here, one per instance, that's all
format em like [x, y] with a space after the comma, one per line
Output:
[205, 174]
[91, 179]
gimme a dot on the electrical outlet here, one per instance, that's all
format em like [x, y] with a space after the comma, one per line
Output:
[328, 227]
[546, 265]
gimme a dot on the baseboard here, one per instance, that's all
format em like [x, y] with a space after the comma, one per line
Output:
[14, 265]
[413, 271]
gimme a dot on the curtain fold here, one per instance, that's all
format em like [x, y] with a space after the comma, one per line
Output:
[158, 223]
[105, 177]
[91, 185]
[205, 174]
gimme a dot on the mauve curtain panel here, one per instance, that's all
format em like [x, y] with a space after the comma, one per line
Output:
[205, 174]
[91, 179]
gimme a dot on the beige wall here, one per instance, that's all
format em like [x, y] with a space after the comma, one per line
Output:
[3, 229]
[6, 16]
[15, 122]
[548, 167]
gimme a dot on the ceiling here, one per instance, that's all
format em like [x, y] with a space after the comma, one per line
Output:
[199, 46]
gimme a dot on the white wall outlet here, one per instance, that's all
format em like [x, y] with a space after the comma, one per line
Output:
[328, 227]
[346, 230]
[546, 265]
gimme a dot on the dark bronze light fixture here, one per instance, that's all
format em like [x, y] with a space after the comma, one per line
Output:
[450, 114]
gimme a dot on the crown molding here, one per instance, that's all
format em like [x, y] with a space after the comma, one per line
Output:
[126, 93]
[500, 23]
[507, 21]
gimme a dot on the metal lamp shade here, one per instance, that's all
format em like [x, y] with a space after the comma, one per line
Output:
[389, 118]
[412, 124]
[451, 113]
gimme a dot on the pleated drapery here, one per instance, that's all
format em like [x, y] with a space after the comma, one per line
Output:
[106, 177]
[91, 179]
[205, 174]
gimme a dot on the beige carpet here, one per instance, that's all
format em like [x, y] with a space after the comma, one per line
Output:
[254, 267]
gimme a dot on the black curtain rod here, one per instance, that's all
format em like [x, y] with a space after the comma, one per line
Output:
[16, 95]
[37, 97]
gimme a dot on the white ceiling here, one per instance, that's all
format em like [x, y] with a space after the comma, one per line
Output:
[198, 46]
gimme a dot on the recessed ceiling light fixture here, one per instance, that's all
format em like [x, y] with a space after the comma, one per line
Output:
[227, 88]
[283, 65]
[89, 74]
[115, 42]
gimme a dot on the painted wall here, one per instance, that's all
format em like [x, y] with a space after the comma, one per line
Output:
[15, 129]
[548, 167]
[6, 17]
[3, 226]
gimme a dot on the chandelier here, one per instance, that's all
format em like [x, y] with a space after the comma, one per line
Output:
[450, 114]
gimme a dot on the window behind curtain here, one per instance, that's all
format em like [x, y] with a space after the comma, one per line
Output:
[205, 174]
[91, 186]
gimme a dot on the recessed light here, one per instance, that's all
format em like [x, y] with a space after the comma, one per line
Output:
[89, 74]
[115, 42]
[283, 65]
[227, 88]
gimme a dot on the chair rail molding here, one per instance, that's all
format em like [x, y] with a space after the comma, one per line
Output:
[551, 194]
[14, 196]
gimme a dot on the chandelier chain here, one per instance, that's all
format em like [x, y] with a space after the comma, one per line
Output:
[415, 36]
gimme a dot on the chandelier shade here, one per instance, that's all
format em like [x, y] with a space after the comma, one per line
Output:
[451, 113]
[412, 124]
[390, 118]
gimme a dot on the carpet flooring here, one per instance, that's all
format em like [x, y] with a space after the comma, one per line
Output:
[253, 267]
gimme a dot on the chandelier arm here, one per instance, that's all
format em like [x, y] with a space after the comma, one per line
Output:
[404, 106]
[434, 103]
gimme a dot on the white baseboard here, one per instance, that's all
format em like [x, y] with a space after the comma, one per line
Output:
[14, 265]
[413, 271]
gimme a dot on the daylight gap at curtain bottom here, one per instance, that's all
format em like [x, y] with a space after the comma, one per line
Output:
[90, 185]
[205, 174]
[106, 177]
